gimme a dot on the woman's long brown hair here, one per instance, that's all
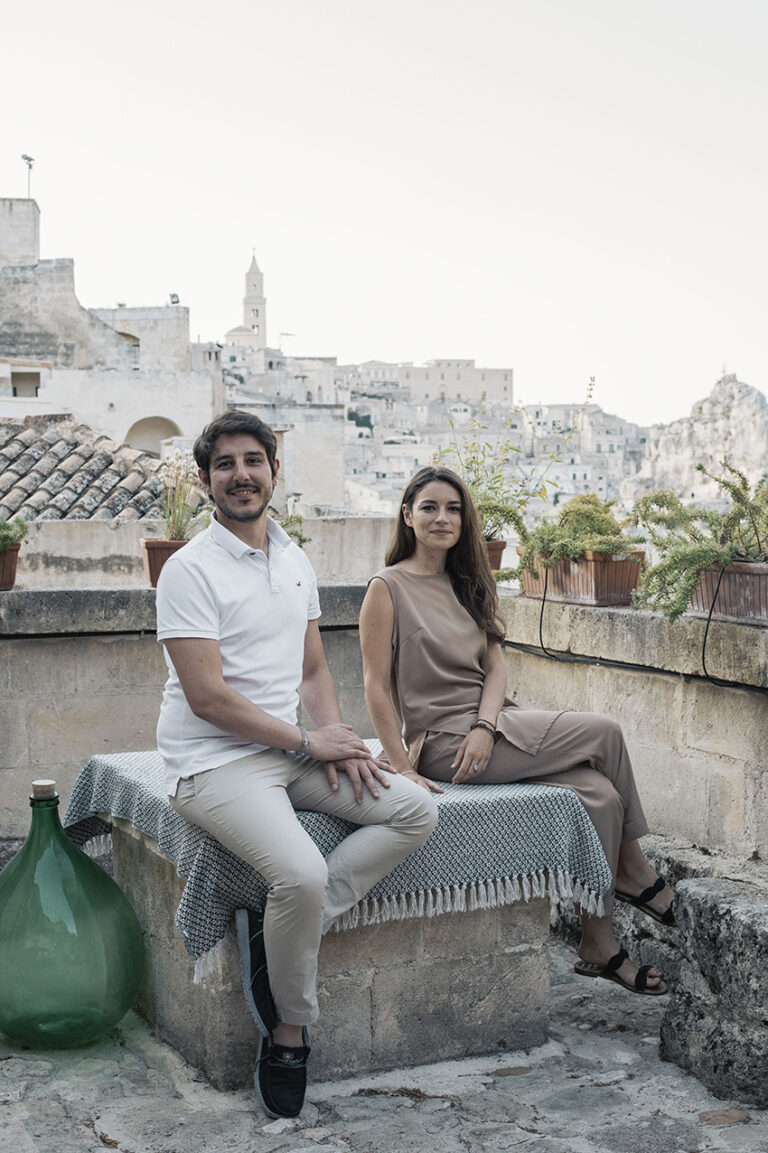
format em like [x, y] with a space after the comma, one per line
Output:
[466, 563]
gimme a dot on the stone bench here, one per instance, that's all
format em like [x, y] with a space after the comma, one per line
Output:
[433, 969]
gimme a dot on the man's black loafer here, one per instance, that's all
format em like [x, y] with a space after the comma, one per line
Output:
[281, 1077]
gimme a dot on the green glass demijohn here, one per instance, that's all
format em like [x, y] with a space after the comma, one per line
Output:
[71, 950]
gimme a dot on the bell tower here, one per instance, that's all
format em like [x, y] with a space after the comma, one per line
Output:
[255, 305]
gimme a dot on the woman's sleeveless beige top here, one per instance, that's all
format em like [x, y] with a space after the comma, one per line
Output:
[438, 652]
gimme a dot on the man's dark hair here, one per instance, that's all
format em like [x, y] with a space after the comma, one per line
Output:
[230, 424]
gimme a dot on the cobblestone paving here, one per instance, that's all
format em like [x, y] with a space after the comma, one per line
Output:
[596, 1086]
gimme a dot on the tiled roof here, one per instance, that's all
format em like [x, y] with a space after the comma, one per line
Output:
[54, 469]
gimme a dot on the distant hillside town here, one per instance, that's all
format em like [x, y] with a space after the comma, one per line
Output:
[350, 434]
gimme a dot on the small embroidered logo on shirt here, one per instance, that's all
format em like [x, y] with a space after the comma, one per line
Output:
[298, 584]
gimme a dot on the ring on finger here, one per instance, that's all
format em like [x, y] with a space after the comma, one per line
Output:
[475, 768]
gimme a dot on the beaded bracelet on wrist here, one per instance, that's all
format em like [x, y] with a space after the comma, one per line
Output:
[481, 724]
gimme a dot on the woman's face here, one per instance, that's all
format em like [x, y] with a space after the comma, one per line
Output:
[435, 516]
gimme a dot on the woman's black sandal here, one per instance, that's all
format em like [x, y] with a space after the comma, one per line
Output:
[643, 902]
[608, 973]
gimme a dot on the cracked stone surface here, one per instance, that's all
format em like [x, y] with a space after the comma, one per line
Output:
[598, 1085]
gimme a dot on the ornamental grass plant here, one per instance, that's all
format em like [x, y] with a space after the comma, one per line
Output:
[182, 500]
[690, 539]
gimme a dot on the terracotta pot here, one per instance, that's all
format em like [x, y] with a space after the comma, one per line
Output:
[597, 578]
[8, 560]
[156, 553]
[494, 549]
[742, 597]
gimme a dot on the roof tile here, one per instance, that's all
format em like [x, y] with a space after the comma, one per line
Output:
[52, 468]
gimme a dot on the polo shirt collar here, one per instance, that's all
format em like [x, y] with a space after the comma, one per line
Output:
[278, 538]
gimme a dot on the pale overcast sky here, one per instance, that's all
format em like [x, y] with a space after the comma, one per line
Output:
[570, 188]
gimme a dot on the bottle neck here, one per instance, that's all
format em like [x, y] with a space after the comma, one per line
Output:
[46, 821]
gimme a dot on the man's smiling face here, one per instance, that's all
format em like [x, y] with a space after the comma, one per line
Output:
[240, 482]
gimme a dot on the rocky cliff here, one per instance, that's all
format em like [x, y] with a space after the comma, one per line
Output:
[731, 422]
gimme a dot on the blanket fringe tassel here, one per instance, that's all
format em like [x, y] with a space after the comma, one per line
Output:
[475, 895]
[98, 846]
[434, 902]
[211, 964]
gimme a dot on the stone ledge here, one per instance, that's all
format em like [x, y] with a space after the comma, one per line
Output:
[735, 652]
[391, 995]
[51, 612]
[74, 611]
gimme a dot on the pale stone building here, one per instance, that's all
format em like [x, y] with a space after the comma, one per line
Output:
[457, 379]
[126, 372]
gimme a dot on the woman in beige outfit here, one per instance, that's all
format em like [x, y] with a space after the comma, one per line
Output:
[435, 689]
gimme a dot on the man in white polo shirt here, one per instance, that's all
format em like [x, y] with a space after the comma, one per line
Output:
[237, 612]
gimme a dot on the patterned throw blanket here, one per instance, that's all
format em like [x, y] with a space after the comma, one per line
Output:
[494, 844]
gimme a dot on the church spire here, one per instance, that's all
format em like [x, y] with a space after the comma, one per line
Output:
[255, 304]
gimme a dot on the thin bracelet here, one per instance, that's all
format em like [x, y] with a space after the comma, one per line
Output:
[480, 723]
[305, 745]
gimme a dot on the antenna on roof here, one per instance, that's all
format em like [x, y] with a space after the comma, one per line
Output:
[29, 161]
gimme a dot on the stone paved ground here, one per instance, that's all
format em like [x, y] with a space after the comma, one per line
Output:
[597, 1086]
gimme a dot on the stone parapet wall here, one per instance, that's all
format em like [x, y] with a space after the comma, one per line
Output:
[82, 673]
[697, 748]
[107, 553]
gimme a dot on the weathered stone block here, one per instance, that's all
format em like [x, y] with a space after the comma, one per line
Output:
[387, 997]
[716, 1024]
[72, 730]
[26, 659]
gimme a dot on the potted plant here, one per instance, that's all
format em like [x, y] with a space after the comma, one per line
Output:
[585, 556]
[708, 556]
[12, 533]
[180, 506]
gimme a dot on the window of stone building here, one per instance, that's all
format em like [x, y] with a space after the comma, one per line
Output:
[25, 383]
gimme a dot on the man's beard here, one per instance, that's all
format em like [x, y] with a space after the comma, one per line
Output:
[244, 515]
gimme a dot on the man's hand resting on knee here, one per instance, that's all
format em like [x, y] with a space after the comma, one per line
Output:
[361, 771]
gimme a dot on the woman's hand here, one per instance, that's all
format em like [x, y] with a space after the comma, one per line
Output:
[430, 786]
[473, 756]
